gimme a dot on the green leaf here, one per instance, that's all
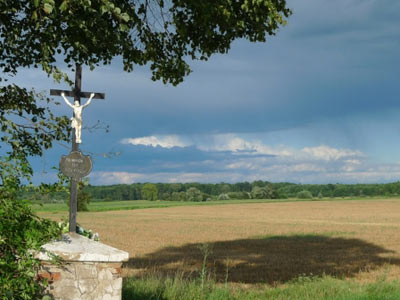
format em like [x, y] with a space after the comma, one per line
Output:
[103, 9]
[63, 6]
[125, 17]
[48, 8]
[36, 3]
[124, 27]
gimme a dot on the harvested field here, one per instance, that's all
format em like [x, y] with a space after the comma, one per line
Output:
[258, 243]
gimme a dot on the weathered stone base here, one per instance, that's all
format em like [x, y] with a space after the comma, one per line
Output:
[83, 280]
[91, 270]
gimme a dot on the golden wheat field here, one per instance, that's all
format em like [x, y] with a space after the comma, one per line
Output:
[258, 243]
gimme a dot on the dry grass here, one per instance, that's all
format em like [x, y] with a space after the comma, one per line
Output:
[259, 243]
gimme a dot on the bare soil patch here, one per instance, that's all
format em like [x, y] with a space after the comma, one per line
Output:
[258, 243]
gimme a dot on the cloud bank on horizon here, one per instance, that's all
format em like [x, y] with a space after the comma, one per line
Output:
[232, 158]
[318, 103]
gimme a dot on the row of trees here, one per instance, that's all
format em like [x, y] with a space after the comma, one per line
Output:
[224, 191]
[241, 190]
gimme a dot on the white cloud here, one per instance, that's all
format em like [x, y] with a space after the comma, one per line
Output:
[214, 142]
[166, 141]
[327, 153]
[252, 147]
[250, 159]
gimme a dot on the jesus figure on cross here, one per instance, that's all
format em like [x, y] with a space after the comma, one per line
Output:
[76, 120]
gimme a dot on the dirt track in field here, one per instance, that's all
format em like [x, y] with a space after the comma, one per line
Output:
[258, 243]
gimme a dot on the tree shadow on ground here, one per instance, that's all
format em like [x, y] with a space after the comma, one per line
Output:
[267, 260]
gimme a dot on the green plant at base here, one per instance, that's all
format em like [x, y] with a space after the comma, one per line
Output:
[64, 227]
[22, 234]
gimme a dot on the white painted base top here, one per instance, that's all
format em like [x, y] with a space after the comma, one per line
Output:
[74, 247]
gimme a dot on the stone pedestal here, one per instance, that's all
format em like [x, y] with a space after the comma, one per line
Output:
[91, 270]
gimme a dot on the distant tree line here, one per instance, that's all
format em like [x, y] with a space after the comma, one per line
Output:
[198, 192]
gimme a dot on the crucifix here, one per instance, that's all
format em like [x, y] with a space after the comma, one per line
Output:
[76, 165]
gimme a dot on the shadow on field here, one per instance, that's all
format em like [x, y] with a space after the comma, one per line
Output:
[266, 260]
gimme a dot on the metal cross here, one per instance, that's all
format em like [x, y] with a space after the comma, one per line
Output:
[77, 94]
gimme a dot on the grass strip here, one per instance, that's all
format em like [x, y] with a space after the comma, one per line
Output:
[97, 206]
[303, 288]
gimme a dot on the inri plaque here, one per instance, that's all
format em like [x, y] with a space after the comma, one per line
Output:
[76, 165]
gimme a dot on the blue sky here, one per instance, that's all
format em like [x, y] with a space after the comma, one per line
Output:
[317, 103]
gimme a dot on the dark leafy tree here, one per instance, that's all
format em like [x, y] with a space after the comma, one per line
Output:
[163, 34]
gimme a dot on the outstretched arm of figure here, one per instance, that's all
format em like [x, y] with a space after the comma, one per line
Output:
[66, 100]
[88, 102]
